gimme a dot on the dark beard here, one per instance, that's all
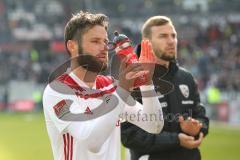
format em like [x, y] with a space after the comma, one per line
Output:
[165, 56]
[91, 63]
[168, 58]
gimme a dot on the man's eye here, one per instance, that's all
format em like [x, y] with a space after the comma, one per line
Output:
[162, 36]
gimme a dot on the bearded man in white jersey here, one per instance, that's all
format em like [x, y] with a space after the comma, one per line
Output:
[82, 107]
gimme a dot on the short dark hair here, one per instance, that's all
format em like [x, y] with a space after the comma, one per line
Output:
[154, 21]
[82, 22]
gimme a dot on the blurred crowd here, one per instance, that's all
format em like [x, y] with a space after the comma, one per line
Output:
[213, 56]
[211, 51]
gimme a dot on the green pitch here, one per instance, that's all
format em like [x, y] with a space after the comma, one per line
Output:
[222, 143]
[24, 137]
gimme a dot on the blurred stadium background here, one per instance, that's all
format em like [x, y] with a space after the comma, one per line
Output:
[31, 47]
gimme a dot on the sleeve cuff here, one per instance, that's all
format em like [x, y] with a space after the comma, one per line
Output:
[148, 91]
[147, 87]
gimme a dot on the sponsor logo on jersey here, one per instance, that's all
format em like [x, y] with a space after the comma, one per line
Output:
[187, 102]
[61, 108]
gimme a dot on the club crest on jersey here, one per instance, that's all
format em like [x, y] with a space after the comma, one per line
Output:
[184, 90]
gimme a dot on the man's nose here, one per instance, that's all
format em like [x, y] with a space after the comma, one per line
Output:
[104, 46]
[171, 40]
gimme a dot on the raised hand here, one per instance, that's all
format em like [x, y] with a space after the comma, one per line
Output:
[128, 73]
[147, 59]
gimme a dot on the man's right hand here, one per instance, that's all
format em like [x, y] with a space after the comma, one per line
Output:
[190, 126]
[189, 142]
[128, 73]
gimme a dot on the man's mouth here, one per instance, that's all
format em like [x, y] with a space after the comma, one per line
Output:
[171, 50]
[102, 57]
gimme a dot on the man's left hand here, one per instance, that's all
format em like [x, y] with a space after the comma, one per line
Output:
[147, 59]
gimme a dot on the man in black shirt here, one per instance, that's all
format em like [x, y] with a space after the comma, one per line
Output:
[185, 121]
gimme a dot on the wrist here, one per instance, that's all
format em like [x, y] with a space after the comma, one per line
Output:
[123, 86]
[149, 82]
[178, 139]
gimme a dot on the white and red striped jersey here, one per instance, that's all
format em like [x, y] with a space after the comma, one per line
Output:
[81, 122]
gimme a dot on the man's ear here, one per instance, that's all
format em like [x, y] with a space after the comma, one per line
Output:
[72, 47]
